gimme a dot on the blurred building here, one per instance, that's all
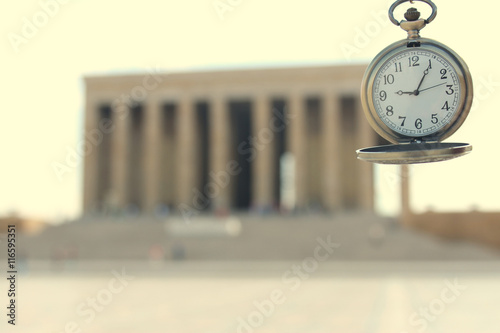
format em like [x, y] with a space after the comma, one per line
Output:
[23, 225]
[265, 139]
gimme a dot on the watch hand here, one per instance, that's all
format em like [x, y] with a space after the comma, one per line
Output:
[437, 85]
[404, 92]
[422, 80]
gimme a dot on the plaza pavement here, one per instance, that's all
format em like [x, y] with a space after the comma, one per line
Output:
[220, 297]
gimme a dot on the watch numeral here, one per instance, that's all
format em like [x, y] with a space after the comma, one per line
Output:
[443, 74]
[413, 61]
[418, 123]
[389, 79]
[450, 89]
[403, 122]
[445, 106]
[398, 67]
[430, 64]
[434, 119]
[383, 95]
[390, 110]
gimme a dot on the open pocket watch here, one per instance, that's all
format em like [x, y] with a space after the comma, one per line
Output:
[416, 93]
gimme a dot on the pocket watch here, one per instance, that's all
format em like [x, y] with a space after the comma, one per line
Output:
[416, 93]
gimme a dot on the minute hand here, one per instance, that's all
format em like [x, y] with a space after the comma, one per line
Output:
[437, 85]
[422, 80]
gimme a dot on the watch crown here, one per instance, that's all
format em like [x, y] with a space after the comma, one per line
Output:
[412, 14]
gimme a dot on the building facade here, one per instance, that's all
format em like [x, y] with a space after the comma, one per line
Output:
[265, 139]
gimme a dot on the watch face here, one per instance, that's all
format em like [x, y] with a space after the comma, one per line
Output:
[417, 92]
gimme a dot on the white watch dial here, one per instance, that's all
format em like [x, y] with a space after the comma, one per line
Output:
[416, 92]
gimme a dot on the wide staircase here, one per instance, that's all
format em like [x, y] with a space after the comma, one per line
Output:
[360, 236]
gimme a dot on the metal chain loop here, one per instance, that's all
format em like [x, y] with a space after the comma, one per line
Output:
[399, 2]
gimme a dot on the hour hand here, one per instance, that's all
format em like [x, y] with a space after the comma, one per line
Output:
[400, 92]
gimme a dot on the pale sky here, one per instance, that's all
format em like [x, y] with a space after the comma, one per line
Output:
[44, 57]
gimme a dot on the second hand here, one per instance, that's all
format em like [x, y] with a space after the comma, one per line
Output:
[437, 85]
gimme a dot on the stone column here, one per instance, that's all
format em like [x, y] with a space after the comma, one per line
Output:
[152, 154]
[186, 152]
[366, 138]
[169, 158]
[263, 172]
[331, 142]
[91, 164]
[297, 146]
[118, 197]
[220, 148]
